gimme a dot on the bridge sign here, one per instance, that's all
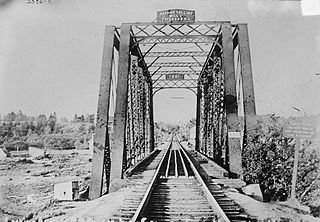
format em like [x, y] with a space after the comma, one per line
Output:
[176, 16]
[300, 130]
[174, 76]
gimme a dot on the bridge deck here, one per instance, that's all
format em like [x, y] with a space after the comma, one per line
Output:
[144, 175]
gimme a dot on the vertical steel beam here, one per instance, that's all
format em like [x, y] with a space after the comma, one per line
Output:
[235, 162]
[198, 116]
[246, 71]
[151, 116]
[118, 142]
[100, 140]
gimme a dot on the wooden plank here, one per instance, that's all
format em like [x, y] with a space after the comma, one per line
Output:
[118, 141]
[100, 139]
[234, 148]
[246, 71]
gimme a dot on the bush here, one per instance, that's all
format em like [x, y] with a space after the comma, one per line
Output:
[268, 160]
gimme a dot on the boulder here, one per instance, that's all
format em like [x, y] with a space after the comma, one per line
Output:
[254, 191]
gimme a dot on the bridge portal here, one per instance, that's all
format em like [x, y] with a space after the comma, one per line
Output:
[211, 58]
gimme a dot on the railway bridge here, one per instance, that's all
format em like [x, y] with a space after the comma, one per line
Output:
[210, 58]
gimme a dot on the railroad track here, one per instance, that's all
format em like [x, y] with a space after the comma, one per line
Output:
[178, 193]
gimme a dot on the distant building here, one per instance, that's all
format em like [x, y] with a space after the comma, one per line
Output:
[36, 152]
[4, 153]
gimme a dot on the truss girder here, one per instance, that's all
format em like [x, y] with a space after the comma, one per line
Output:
[212, 133]
[189, 83]
[176, 72]
[138, 116]
[177, 64]
[175, 39]
[177, 54]
[156, 29]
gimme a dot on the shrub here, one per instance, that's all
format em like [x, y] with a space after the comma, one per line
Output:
[268, 159]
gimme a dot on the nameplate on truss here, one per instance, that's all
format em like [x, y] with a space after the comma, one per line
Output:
[176, 16]
[174, 76]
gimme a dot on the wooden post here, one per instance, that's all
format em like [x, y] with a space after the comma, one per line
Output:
[118, 142]
[100, 139]
[235, 157]
[295, 169]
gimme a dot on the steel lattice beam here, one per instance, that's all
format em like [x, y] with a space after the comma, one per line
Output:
[176, 64]
[177, 54]
[175, 39]
[197, 28]
[190, 83]
[184, 72]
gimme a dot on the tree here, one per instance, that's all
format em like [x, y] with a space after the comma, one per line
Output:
[10, 117]
[41, 123]
[52, 122]
[20, 117]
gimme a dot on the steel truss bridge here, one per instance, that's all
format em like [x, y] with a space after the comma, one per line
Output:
[210, 58]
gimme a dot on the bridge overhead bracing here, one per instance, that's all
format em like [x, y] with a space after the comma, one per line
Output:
[177, 50]
[210, 58]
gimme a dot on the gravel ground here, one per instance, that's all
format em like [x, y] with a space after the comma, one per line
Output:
[26, 190]
[26, 184]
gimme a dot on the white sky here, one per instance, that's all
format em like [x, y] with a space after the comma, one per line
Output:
[50, 55]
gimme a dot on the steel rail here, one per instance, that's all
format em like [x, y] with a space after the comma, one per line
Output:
[222, 217]
[168, 164]
[176, 164]
[183, 164]
[148, 192]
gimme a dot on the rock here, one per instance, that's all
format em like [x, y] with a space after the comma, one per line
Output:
[29, 217]
[254, 191]
[24, 160]
[87, 177]
[232, 190]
